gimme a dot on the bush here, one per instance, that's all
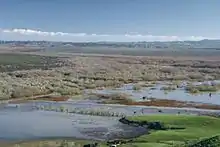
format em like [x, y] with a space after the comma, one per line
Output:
[136, 87]
[19, 92]
[196, 76]
[149, 77]
[90, 86]
[201, 88]
[100, 83]
[170, 70]
[193, 90]
[62, 108]
[68, 91]
[168, 88]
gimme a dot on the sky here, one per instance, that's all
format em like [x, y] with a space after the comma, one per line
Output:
[109, 20]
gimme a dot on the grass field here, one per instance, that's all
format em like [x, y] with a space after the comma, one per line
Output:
[196, 127]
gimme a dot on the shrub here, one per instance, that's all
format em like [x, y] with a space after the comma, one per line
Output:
[169, 70]
[19, 92]
[196, 76]
[168, 88]
[100, 83]
[149, 77]
[201, 88]
[136, 87]
[178, 77]
[68, 91]
[62, 108]
[90, 86]
[193, 90]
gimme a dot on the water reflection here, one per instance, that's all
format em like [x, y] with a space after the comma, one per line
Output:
[179, 94]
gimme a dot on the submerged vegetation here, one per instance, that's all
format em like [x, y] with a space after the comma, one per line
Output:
[168, 88]
[82, 111]
[202, 88]
[136, 87]
[119, 98]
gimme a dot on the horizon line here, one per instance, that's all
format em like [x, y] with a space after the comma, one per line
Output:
[21, 34]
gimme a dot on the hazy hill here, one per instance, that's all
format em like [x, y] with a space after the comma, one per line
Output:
[203, 44]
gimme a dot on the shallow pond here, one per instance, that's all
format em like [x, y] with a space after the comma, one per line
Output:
[179, 94]
[27, 125]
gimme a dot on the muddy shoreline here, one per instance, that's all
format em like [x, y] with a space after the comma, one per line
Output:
[123, 100]
[126, 101]
[174, 103]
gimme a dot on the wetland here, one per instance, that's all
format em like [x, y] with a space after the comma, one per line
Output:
[74, 100]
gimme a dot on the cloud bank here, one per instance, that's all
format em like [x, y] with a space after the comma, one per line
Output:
[37, 35]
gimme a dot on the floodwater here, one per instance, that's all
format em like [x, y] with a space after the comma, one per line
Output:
[155, 92]
[25, 122]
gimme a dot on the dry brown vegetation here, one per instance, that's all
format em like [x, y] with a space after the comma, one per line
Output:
[124, 99]
[117, 98]
[174, 103]
[48, 143]
[88, 72]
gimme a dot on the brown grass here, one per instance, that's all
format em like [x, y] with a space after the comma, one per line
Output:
[52, 98]
[125, 100]
[174, 103]
[40, 98]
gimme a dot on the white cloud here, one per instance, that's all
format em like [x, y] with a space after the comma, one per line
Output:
[30, 34]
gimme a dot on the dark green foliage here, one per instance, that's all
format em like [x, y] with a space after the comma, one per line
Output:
[12, 62]
[208, 142]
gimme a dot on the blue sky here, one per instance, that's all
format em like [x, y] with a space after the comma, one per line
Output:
[110, 19]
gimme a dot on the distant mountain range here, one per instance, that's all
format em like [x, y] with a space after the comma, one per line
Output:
[203, 44]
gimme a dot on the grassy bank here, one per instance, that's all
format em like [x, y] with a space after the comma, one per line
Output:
[196, 127]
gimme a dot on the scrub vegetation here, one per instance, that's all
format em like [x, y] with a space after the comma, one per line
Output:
[25, 75]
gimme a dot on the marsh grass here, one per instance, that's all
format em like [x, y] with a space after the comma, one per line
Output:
[82, 111]
[196, 76]
[176, 83]
[70, 76]
[136, 87]
[168, 88]
[148, 85]
[150, 77]
[12, 62]
[115, 98]
[202, 88]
